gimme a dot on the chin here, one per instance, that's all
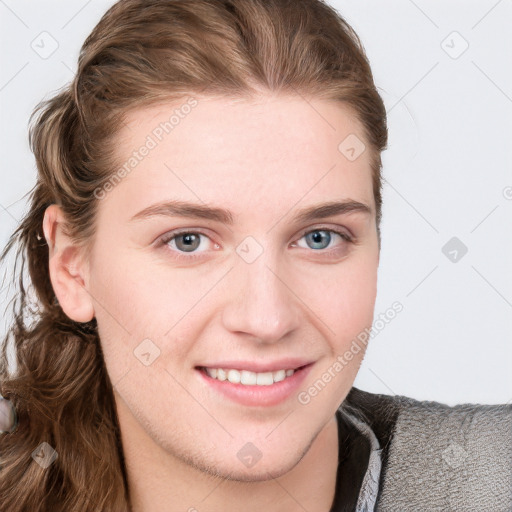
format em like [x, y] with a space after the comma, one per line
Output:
[258, 473]
[228, 465]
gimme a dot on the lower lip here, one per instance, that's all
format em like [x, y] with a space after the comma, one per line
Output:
[258, 395]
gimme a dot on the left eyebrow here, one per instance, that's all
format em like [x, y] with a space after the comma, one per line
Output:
[203, 211]
[321, 211]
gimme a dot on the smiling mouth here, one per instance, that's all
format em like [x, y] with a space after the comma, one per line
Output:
[249, 378]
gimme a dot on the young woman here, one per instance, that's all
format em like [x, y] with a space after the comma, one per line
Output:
[203, 244]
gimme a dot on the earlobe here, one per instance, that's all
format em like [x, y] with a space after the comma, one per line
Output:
[67, 268]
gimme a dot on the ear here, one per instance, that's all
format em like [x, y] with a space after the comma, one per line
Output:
[68, 270]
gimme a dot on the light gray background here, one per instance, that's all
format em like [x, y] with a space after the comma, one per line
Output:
[447, 170]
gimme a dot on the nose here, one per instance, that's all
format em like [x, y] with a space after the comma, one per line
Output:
[260, 303]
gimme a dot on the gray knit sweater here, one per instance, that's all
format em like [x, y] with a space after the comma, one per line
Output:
[425, 456]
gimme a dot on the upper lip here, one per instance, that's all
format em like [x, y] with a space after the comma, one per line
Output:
[291, 363]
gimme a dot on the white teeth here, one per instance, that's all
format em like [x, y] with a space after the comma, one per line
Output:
[248, 378]
[280, 375]
[234, 376]
[264, 379]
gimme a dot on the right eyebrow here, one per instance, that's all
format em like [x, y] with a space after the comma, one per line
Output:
[185, 209]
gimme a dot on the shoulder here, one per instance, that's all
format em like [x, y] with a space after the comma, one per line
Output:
[440, 457]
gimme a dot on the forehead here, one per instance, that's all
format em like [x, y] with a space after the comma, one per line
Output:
[272, 149]
[250, 123]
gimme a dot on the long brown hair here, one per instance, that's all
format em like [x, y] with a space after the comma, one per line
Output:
[141, 52]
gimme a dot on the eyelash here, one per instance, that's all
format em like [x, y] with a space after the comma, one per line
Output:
[180, 255]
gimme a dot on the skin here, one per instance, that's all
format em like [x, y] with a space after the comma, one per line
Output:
[263, 160]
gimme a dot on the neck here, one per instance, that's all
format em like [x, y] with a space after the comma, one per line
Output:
[158, 481]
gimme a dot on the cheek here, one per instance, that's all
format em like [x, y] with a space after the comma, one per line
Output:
[343, 299]
[346, 305]
[354, 320]
[135, 302]
[132, 296]
[358, 295]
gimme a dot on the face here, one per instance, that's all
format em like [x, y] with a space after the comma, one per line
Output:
[249, 285]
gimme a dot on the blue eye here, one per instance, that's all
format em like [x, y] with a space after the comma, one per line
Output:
[320, 239]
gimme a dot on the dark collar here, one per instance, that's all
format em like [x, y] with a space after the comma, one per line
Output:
[380, 413]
